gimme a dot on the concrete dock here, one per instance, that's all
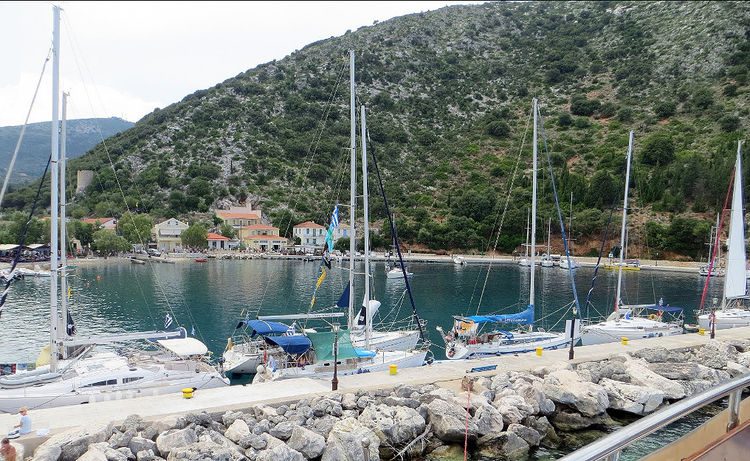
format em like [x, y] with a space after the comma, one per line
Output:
[443, 373]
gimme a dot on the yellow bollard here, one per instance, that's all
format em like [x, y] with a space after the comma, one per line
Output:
[539, 351]
[624, 341]
[394, 369]
[187, 393]
[702, 331]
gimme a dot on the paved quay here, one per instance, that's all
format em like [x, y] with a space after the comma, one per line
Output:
[443, 373]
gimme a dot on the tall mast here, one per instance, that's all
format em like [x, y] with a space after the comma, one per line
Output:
[528, 220]
[352, 187]
[366, 219]
[63, 201]
[533, 211]
[55, 157]
[549, 233]
[624, 220]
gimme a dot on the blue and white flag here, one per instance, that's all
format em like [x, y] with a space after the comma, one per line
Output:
[192, 331]
[334, 224]
[272, 363]
[291, 330]
[167, 321]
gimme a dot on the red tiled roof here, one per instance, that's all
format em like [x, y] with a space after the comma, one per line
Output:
[94, 220]
[228, 215]
[213, 236]
[309, 224]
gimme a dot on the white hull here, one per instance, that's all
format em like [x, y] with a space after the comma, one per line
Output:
[633, 328]
[726, 318]
[397, 274]
[564, 263]
[108, 376]
[548, 263]
[521, 342]
[388, 340]
[245, 357]
[382, 361]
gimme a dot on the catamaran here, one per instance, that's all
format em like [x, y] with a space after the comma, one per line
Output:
[631, 321]
[73, 374]
[465, 340]
[732, 314]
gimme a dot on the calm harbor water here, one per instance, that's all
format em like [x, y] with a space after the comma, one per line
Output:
[211, 297]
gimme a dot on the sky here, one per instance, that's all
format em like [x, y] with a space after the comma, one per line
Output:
[123, 59]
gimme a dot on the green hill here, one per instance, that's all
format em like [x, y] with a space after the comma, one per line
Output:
[449, 95]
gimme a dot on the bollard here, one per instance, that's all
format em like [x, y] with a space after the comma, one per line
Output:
[394, 369]
[702, 331]
[187, 393]
[624, 341]
[539, 351]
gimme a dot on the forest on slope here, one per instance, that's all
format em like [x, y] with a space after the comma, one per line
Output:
[449, 95]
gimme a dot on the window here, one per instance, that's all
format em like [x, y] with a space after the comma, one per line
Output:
[102, 383]
[131, 379]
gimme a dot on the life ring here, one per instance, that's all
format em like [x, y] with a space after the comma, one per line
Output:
[653, 317]
[451, 352]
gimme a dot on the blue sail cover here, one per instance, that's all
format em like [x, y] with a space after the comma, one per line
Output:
[526, 316]
[344, 299]
[295, 344]
[262, 327]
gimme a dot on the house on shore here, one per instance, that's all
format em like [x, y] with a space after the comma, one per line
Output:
[167, 234]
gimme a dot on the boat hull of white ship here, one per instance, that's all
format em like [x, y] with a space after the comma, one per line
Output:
[635, 328]
[382, 361]
[388, 340]
[520, 343]
[244, 358]
[726, 318]
[110, 377]
[564, 264]
[397, 274]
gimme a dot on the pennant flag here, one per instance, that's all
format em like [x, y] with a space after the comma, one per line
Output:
[70, 327]
[167, 321]
[332, 226]
[320, 279]
[69, 291]
[192, 331]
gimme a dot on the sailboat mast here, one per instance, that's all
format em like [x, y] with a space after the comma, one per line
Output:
[55, 174]
[549, 234]
[624, 220]
[528, 220]
[352, 187]
[533, 210]
[366, 229]
[63, 201]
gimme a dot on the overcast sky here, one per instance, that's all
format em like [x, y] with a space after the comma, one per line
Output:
[123, 59]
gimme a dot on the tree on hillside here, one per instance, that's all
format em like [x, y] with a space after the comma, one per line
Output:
[135, 228]
[227, 230]
[194, 237]
[106, 241]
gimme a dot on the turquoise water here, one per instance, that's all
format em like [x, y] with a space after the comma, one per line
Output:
[211, 297]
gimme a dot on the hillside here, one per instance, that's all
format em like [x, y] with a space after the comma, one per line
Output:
[448, 95]
[83, 134]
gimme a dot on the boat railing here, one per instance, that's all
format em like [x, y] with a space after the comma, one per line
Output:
[610, 447]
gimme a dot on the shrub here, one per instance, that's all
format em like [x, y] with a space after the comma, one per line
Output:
[665, 109]
[658, 149]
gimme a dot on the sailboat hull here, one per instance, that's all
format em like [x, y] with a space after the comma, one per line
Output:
[388, 340]
[634, 328]
[726, 318]
[521, 342]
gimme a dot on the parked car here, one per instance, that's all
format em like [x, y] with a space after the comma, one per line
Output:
[154, 252]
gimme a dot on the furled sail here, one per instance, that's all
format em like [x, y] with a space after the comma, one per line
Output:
[735, 280]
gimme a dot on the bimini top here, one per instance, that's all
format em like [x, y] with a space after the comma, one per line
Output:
[294, 344]
[526, 316]
[323, 345]
[184, 347]
[263, 327]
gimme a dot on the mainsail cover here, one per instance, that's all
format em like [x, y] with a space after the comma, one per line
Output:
[735, 280]
[526, 316]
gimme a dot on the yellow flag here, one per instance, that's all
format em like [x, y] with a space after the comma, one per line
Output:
[68, 291]
[312, 302]
[320, 279]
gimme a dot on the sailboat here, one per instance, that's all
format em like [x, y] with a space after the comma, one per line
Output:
[525, 261]
[714, 269]
[564, 261]
[465, 341]
[73, 374]
[547, 260]
[731, 314]
[627, 321]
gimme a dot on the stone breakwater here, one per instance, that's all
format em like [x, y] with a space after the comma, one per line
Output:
[501, 416]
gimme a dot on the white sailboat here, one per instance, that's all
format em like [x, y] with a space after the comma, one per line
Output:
[573, 264]
[465, 341]
[73, 374]
[627, 321]
[526, 261]
[715, 269]
[547, 260]
[731, 314]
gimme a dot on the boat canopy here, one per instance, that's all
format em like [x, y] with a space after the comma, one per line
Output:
[656, 307]
[526, 316]
[294, 344]
[184, 347]
[322, 342]
[263, 327]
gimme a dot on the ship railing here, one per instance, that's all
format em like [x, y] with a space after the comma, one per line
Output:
[610, 447]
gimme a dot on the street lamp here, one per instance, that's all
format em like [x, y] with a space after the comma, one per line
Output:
[335, 380]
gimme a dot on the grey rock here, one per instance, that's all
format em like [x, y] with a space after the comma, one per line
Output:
[252, 441]
[673, 370]
[133, 423]
[405, 391]
[309, 443]
[175, 438]
[505, 445]
[349, 401]
[70, 445]
[126, 453]
[282, 409]
[92, 454]
[364, 401]
[736, 369]
[638, 400]
[146, 455]
[641, 375]
[282, 430]
[512, 406]
[351, 441]
[169, 422]
[401, 401]
[566, 387]
[715, 354]
[137, 444]
[393, 425]
[204, 451]
[567, 420]
[237, 430]
[261, 427]
[150, 433]
[653, 354]
[231, 416]
[489, 420]
[449, 422]
[121, 439]
[323, 425]
[529, 435]
[280, 453]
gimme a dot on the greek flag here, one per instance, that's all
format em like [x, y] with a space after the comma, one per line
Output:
[332, 226]
[291, 330]
[167, 321]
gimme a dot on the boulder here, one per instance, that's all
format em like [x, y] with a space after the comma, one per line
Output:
[252, 441]
[231, 416]
[169, 422]
[566, 387]
[512, 406]
[279, 453]
[141, 443]
[529, 435]
[134, 423]
[447, 453]
[93, 454]
[534, 397]
[394, 426]
[638, 400]
[127, 453]
[322, 425]
[309, 443]
[147, 455]
[203, 451]
[449, 422]
[349, 401]
[715, 354]
[110, 454]
[489, 420]
[175, 438]
[505, 445]
[72, 444]
[673, 370]
[349, 440]
[282, 431]
[653, 354]
[567, 420]
[641, 375]
[735, 369]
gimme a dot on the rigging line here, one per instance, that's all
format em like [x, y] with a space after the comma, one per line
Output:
[23, 128]
[599, 260]
[502, 218]
[559, 212]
